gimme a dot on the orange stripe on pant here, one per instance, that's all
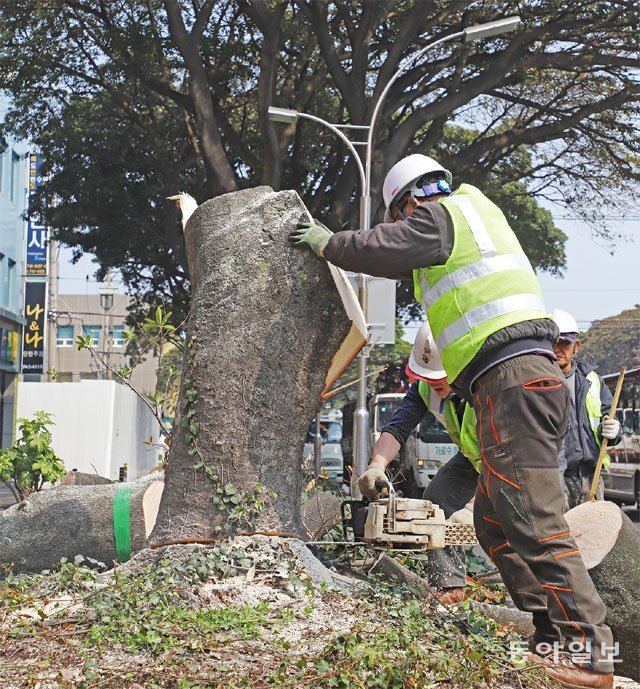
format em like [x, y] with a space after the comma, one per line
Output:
[553, 590]
[484, 459]
[494, 550]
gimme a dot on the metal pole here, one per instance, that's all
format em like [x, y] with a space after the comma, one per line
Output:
[361, 413]
[107, 315]
[317, 449]
[52, 335]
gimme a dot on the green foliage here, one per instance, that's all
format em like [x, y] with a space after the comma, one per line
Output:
[413, 648]
[241, 508]
[31, 462]
[613, 342]
[111, 102]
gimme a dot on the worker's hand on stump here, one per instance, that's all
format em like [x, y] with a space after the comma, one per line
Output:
[314, 234]
[367, 482]
[610, 428]
[463, 516]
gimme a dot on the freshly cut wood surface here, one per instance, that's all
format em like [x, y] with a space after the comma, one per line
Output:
[595, 526]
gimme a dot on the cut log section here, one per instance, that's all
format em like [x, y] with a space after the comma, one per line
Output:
[609, 544]
[68, 521]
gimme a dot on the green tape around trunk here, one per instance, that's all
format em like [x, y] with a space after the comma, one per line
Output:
[121, 522]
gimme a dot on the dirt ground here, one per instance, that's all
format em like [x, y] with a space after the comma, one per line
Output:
[247, 616]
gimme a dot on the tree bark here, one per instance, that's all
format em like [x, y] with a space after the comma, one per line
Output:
[265, 322]
[609, 544]
[67, 521]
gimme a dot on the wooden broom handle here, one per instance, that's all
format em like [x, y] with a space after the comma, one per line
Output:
[605, 441]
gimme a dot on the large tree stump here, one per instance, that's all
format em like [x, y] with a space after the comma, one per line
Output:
[265, 321]
[609, 544]
[67, 521]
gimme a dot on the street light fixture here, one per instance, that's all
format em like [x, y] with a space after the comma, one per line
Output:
[495, 28]
[106, 293]
[472, 33]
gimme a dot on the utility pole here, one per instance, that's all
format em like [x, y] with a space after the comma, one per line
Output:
[52, 335]
[107, 292]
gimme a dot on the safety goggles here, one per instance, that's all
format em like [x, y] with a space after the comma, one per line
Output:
[398, 209]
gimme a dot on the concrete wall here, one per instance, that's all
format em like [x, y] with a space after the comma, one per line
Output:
[100, 425]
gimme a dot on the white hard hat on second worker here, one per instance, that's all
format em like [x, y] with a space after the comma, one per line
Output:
[425, 362]
[407, 171]
[566, 324]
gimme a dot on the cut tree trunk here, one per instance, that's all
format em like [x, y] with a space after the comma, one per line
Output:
[67, 521]
[609, 544]
[265, 321]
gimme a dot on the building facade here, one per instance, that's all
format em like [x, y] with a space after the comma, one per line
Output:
[13, 199]
[83, 314]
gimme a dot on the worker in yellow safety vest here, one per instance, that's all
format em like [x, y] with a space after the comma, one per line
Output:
[589, 420]
[484, 304]
[453, 486]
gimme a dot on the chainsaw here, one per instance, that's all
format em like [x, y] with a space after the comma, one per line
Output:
[397, 523]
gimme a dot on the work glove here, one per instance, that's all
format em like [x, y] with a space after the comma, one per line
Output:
[610, 428]
[463, 516]
[367, 482]
[314, 234]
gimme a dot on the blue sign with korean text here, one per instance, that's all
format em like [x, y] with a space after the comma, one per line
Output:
[37, 249]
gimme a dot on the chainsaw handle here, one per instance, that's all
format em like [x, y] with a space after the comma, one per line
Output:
[382, 486]
[385, 487]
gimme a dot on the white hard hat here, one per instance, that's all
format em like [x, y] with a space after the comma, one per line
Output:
[424, 361]
[566, 324]
[407, 171]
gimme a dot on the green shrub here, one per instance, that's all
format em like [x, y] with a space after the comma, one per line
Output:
[31, 462]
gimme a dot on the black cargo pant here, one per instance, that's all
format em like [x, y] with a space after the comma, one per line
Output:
[451, 489]
[522, 410]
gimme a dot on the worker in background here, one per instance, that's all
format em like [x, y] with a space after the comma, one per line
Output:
[484, 305]
[455, 483]
[589, 422]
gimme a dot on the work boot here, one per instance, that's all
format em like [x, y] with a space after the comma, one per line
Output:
[450, 596]
[564, 670]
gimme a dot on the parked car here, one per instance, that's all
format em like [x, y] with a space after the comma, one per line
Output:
[331, 459]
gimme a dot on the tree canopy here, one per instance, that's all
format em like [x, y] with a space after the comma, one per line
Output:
[613, 342]
[133, 101]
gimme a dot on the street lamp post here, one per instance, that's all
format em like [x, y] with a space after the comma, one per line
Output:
[361, 414]
[106, 293]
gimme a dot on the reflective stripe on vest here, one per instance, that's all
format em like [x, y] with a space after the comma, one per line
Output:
[486, 284]
[516, 303]
[593, 407]
[465, 436]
